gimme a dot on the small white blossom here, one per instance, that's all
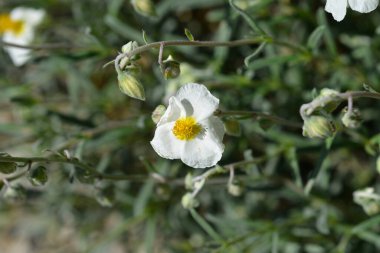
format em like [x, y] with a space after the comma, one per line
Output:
[188, 130]
[18, 27]
[338, 8]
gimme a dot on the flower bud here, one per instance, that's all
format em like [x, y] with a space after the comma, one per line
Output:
[130, 46]
[15, 193]
[7, 167]
[38, 176]
[368, 200]
[144, 7]
[351, 119]
[130, 86]
[189, 185]
[157, 113]
[188, 201]
[235, 188]
[318, 127]
[171, 68]
[378, 164]
[326, 92]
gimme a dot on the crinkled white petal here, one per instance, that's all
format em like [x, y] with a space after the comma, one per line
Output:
[31, 17]
[337, 8]
[19, 56]
[214, 126]
[197, 100]
[202, 152]
[363, 6]
[174, 111]
[165, 143]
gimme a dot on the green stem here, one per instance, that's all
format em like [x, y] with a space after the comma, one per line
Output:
[206, 227]
[260, 115]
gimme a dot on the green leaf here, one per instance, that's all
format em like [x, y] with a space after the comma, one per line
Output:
[270, 61]
[315, 37]
[189, 35]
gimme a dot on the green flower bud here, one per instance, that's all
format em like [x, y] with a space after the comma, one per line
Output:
[157, 113]
[171, 68]
[318, 127]
[38, 176]
[326, 92]
[130, 46]
[188, 201]
[232, 127]
[235, 188]
[144, 7]
[351, 119]
[189, 181]
[130, 86]
[7, 167]
[368, 200]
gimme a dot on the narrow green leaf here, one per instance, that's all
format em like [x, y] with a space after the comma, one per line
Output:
[189, 35]
[271, 61]
[315, 37]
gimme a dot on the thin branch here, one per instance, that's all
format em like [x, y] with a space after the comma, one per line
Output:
[49, 46]
[260, 115]
[158, 44]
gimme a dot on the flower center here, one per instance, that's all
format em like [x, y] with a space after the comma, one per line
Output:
[8, 24]
[186, 128]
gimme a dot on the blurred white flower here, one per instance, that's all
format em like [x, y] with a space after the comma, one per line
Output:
[338, 8]
[368, 199]
[188, 130]
[18, 27]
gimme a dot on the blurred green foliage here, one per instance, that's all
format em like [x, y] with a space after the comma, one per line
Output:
[299, 198]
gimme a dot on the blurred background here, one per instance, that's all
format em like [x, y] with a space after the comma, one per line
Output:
[298, 198]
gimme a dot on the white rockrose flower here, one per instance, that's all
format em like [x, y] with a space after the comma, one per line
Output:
[338, 8]
[18, 27]
[188, 130]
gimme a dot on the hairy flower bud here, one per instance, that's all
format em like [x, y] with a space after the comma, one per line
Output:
[326, 92]
[351, 119]
[144, 7]
[188, 201]
[235, 188]
[232, 127]
[130, 46]
[171, 68]
[130, 86]
[318, 127]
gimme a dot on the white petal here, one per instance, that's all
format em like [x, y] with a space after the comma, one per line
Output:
[165, 143]
[202, 152]
[214, 126]
[31, 17]
[363, 6]
[174, 111]
[19, 56]
[197, 100]
[337, 8]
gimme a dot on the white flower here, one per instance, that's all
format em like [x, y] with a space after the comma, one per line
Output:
[18, 27]
[338, 8]
[188, 130]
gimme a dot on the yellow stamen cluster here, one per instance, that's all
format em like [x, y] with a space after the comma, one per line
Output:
[186, 128]
[9, 25]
